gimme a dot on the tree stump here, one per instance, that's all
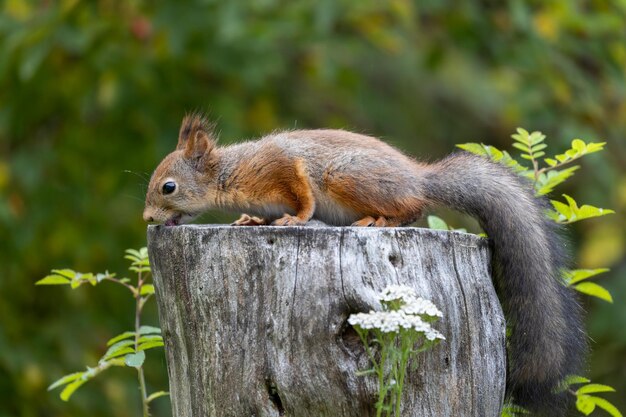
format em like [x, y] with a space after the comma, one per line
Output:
[255, 319]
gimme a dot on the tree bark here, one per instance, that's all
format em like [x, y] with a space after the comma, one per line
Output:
[254, 319]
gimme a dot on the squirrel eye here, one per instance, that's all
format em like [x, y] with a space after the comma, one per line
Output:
[169, 187]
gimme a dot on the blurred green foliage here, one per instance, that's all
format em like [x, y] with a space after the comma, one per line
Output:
[90, 90]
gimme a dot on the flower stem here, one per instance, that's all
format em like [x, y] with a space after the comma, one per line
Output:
[381, 387]
[406, 344]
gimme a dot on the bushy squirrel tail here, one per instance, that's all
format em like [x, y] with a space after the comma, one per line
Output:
[547, 340]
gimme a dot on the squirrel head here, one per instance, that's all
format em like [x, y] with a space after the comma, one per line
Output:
[185, 181]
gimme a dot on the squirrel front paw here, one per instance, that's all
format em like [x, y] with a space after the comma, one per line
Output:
[246, 220]
[288, 220]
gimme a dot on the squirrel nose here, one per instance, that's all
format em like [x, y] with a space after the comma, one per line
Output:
[147, 217]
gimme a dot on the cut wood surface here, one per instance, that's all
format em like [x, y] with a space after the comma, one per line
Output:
[254, 319]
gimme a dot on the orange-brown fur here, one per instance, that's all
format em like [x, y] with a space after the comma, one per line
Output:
[271, 176]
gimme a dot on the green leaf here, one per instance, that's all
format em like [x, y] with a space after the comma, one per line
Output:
[575, 379]
[511, 163]
[119, 337]
[528, 139]
[65, 380]
[595, 147]
[579, 148]
[512, 410]
[120, 352]
[595, 290]
[67, 273]
[139, 269]
[587, 212]
[81, 278]
[522, 136]
[149, 345]
[571, 213]
[92, 279]
[149, 330]
[135, 359]
[563, 210]
[578, 145]
[522, 147]
[437, 223]
[71, 388]
[494, 154]
[156, 395]
[475, 148]
[593, 388]
[150, 338]
[139, 260]
[606, 406]
[132, 258]
[75, 380]
[577, 275]
[53, 280]
[147, 289]
[551, 162]
[585, 405]
[547, 181]
[561, 158]
[133, 252]
[119, 348]
[536, 137]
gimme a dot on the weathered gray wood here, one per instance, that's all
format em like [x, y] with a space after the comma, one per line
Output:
[254, 319]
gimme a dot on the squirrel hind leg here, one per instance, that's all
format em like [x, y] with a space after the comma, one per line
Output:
[369, 221]
[289, 220]
[247, 220]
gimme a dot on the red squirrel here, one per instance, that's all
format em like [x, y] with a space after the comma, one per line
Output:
[348, 179]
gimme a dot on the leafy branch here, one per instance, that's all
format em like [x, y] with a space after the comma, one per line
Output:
[570, 212]
[126, 349]
[575, 278]
[586, 403]
[545, 179]
[532, 147]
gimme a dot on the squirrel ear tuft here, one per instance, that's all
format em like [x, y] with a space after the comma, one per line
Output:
[198, 149]
[192, 125]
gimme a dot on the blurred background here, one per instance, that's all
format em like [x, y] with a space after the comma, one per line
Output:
[92, 94]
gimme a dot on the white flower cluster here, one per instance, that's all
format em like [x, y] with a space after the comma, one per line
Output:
[420, 306]
[411, 303]
[407, 316]
[397, 292]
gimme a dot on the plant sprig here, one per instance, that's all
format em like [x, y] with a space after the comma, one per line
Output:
[585, 402]
[570, 212]
[545, 179]
[576, 279]
[127, 349]
[391, 337]
[532, 146]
